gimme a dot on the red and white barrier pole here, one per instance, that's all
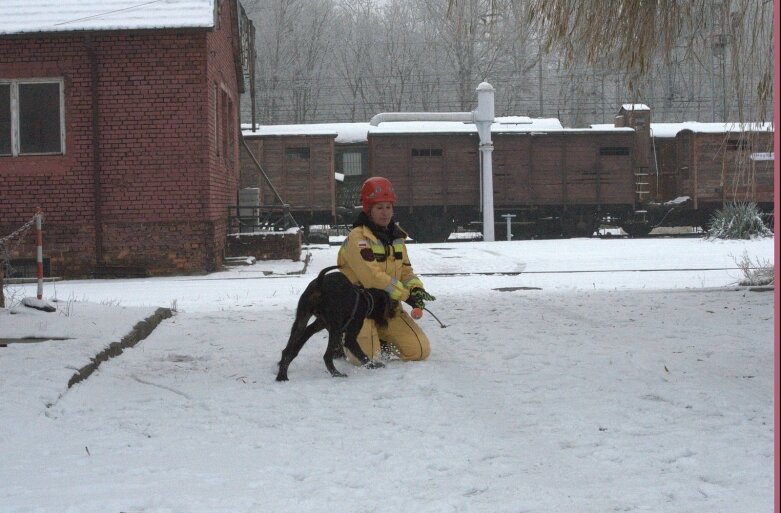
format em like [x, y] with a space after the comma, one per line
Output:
[39, 243]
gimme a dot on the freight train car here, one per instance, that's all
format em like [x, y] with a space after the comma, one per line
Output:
[554, 181]
[709, 165]
[293, 164]
[564, 182]
[298, 164]
[434, 170]
[687, 171]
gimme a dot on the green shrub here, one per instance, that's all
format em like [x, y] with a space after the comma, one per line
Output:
[738, 221]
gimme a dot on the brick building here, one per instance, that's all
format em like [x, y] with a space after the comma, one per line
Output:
[120, 121]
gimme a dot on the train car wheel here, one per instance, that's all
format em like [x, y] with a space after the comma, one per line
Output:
[429, 229]
[637, 229]
[579, 226]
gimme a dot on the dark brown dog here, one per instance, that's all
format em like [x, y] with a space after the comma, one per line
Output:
[340, 307]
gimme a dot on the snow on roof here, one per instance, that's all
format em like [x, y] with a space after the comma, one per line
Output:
[635, 106]
[358, 132]
[31, 16]
[344, 132]
[509, 124]
[672, 129]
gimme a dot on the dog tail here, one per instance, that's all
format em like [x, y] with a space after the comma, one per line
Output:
[319, 281]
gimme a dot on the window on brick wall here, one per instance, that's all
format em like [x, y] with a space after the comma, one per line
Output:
[231, 133]
[5, 119]
[31, 117]
[217, 119]
[226, 141]
[225, 124]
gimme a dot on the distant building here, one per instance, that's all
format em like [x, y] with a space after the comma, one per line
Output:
[121, 121]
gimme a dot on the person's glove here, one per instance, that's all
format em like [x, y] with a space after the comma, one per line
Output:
[418, 297]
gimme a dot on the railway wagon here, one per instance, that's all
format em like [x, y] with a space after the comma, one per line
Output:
[316, 169]
[435, 175]
[555, 181]
[704, 166]
[298, 163]
[564, 182]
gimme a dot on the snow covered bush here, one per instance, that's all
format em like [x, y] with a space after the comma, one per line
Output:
[757, 272]
[738, 221]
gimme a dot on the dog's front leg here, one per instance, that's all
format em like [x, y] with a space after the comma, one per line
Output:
[351, 343]
[334, 340]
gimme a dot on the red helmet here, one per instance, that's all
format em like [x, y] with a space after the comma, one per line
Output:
[375, 190]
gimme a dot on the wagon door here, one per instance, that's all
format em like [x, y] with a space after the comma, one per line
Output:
[664, 173]
[546, 174]
[427, 175]
[511, 171]
[502, 159]
[297, 171]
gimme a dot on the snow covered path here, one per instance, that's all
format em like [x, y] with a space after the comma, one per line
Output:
[575, 411]
[546, 400]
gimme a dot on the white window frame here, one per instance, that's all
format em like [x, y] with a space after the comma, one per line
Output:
[15, 138]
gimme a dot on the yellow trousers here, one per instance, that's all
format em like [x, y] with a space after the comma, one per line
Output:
[402, 332]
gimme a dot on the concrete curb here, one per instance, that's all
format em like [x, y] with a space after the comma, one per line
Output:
[139, 332]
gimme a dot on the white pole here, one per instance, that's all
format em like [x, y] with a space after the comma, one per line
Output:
[484, 117]
[39, 255]
[488, 192]
[509, 218]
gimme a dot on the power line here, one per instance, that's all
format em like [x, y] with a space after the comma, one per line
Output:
[98, 15]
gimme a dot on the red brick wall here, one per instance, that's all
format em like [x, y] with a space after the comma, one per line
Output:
[223, 168]
[267, 246]
[60, 185]
[164, 191]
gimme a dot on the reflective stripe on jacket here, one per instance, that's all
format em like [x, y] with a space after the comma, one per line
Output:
[367, 262]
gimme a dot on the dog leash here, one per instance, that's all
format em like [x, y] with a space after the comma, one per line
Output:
[369, 300]
[355, 309]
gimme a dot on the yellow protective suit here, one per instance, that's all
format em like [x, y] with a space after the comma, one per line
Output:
[368, 261]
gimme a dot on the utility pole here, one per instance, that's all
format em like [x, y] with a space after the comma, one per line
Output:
[539, 75]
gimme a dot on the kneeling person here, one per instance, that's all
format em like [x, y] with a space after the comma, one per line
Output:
[374, 255]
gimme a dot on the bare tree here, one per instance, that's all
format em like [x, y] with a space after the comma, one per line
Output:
[294, 45]
[646, 32]
[578, 60]
[311, 55]
[357, 21]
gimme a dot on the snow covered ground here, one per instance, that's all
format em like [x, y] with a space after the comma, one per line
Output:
[570, 377]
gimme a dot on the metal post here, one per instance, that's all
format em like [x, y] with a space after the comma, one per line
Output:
[509, 218]
[484, 118]
[488, 192]
[39, 243]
